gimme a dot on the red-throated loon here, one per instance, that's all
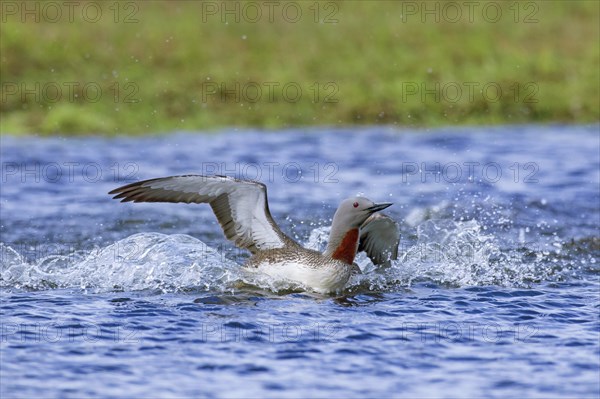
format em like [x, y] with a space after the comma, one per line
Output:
[242, 210]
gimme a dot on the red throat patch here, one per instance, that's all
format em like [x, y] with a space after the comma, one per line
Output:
[346, 251]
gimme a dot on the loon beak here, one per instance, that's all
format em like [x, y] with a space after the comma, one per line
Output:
[378, 207]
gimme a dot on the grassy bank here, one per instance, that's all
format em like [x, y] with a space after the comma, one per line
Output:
[154, 66]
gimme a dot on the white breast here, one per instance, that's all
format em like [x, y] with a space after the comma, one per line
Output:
[323, 279]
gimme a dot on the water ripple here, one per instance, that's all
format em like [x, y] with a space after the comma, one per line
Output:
[495, 292]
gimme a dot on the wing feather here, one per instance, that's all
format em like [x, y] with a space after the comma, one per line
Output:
[379, 238]
[240, 206]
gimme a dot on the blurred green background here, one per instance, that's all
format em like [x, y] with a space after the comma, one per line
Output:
[142, 67]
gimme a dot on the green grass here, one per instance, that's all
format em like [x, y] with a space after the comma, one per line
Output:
[167, 60]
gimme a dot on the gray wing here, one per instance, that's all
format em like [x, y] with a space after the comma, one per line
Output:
[240, 206]
[379, 238]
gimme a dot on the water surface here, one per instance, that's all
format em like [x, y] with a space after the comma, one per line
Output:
[496, 292]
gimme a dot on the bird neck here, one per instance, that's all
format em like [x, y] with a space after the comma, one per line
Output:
[343, 246]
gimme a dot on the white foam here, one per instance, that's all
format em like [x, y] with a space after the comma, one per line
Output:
[445, 252]
[139, 262]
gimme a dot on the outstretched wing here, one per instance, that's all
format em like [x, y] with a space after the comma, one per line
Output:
[240, 206]
[379, 238]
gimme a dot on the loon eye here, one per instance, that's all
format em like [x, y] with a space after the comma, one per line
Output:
[355, 205]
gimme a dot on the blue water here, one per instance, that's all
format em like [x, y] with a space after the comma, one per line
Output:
[496, 292]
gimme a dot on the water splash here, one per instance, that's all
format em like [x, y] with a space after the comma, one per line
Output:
[445, 252]
[145, 261]
[461, 254]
